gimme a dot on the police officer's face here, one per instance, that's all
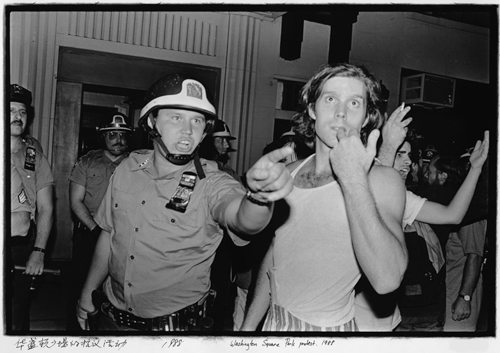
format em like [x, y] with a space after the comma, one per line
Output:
[116, 142]
[221, 144]
[342, 104]
[18, 118]
[181, 130]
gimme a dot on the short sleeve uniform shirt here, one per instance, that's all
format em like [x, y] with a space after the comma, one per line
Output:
[160, 258]
[93, 171]
[34, 176]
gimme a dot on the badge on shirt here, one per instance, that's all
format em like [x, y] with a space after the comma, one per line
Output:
[30, 158]
[180, 200]
[22, 196]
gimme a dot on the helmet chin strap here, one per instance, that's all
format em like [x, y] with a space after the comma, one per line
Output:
[177, 159]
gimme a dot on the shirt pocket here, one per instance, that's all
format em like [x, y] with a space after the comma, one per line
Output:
[95, 179]
[184, 231]
[126, 204]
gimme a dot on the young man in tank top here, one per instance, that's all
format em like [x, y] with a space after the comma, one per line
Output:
[343, 216]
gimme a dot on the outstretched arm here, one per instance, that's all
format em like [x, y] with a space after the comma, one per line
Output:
[436, 213]
[268, 180]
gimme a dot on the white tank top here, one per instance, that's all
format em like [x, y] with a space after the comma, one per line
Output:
[315, 269]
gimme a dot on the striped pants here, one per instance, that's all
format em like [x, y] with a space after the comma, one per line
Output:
[279, 319]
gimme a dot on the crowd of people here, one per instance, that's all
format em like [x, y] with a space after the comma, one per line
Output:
[343, 224]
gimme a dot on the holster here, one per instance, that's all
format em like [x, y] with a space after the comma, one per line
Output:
[98, 299]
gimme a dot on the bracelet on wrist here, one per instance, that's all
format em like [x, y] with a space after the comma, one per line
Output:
[261, 202]
[36, 248]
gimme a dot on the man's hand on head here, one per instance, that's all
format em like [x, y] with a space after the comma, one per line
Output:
[268, 177]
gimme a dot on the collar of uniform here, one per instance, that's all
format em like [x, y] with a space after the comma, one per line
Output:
[116, 161]
[143, 160]
[140, 160]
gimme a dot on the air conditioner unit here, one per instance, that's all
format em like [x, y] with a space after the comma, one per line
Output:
[429, 89]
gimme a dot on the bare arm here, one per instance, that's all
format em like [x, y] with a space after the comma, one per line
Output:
[261, 297]
[77, 195]
[435, 213]
[393, 134]
[44, 219]
[97, 273]
[374, 210]
[374, 207]
[460, 308]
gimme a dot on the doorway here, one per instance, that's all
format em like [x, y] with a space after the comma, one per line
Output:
[92, 85]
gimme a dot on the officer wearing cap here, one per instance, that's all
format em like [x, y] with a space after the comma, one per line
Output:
[88, 182]
[162, 219]
[31, 205]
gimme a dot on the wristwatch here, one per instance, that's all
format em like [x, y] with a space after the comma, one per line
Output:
[465, 297]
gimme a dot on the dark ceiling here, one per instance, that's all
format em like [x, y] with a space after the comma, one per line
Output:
[476, 18]
[482, 16]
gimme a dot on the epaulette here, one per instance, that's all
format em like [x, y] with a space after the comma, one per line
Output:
[142, 151]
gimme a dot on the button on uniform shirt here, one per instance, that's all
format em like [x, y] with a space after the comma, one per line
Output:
[160, 258]
[32, 180]
[93, 171]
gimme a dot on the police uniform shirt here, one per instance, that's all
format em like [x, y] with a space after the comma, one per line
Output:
[160, 258]
[92, 171]
[20, 209]
[32, 180]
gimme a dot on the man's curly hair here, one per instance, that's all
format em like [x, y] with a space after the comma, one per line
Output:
[303, 124]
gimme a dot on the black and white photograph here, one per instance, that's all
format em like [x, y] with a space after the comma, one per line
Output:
[250, 177]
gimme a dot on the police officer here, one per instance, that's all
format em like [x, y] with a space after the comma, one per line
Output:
[88, 182]
[162, 218]
[217, 146]
[32, 204]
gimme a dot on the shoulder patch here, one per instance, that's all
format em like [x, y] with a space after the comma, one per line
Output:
[209, 165]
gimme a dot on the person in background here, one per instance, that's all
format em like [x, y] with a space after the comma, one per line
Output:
[428, 154]
[217, 146]
[380, 313]
[465, 252]
[32, 207]
[163, 215]
[302, 148]
[88, 183]
[343, 216]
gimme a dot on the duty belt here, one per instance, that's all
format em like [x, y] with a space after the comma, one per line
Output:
[191, 318]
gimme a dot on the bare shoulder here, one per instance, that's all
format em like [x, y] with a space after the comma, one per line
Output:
[386, 179]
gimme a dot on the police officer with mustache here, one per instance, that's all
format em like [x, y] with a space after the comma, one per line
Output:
[88, 182]
[31, 206]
